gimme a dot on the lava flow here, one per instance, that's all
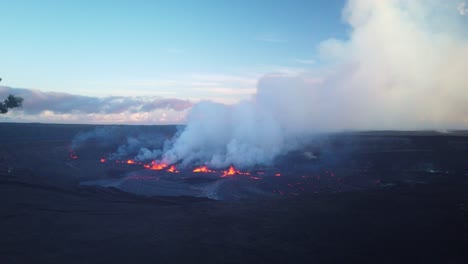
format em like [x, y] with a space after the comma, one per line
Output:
[160, 166]
[172, 169]
[229, 172]
[202, 169]
[72, 154]
[232, 171]
[155, 166]
[130, 161]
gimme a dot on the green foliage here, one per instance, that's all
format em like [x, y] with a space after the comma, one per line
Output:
[11, 102]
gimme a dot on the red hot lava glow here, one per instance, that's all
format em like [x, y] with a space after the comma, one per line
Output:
[159, 166]
[155, 166]
[232, 171]
[73, 155]
[172, 169]
[202, 169]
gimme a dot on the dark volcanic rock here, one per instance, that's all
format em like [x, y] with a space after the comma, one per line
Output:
[404, 202]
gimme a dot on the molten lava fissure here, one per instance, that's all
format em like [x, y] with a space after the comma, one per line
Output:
[202, 169]
[72, 154]
[172, 169]
[232, 171]
[229, 172]
[130, 161]
[154, 165]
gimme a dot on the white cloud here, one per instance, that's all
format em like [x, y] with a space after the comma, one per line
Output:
[156, 117]
[279, 70]
[462, 8]
[39, 106]
[228, 91]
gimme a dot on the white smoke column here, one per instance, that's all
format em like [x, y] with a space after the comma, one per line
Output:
[220, 135]
[403, 67]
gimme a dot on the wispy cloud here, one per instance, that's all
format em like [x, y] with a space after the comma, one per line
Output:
[462, 8]
[226, 79]
[188, 81]
[281, 70]
[194, 86]
[166, 103]
[229, 91]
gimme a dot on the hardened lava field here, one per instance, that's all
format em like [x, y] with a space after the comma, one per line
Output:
[379, 197]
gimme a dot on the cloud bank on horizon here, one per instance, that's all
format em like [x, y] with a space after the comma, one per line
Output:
[42, 106]
[403, 66]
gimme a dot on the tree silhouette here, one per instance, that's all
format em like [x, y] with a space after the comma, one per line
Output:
[11, 102]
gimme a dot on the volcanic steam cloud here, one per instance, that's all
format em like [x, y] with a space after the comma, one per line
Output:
[403, 66]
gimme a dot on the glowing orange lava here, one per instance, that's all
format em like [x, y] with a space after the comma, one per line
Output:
[232, 171]
[71, 153]
[202, 169]
[130, 161]
[172, 169]
[155, 165]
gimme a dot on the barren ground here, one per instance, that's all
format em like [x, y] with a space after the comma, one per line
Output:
[415, 214]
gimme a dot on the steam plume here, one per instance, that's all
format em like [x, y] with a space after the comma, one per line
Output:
[403, 67]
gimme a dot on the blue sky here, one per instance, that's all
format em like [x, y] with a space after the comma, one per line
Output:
[165, 48]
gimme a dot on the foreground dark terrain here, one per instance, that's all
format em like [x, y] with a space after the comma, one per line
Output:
[376, 197]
